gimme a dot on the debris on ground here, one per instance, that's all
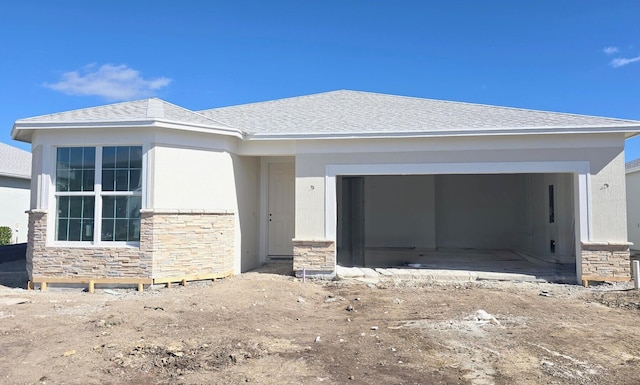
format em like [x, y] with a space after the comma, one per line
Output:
[258, 327]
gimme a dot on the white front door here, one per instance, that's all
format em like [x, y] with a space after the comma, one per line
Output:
[281, 216]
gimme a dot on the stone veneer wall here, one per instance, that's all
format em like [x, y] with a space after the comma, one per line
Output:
[176, 244]
[314, 256]
[81, 262]
[189, 242]
[606, 260]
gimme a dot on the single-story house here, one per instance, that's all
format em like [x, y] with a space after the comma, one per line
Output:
[150, 190]
[15, 185]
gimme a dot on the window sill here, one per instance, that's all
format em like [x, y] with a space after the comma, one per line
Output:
[92, 245]
[187, 211]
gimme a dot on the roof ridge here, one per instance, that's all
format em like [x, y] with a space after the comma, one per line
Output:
[193, 112]
[155, 108]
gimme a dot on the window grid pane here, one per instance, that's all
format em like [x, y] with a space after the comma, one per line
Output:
[121, 218]
[75, 168]
[122, 168]
[75, 218]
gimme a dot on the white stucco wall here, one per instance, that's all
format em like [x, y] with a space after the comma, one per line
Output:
[14, 201]
[190, 178]
[608, 198]
[633, 207]
[480, 211]
[399, 211]
[247, 179]
[36, 176]
[310, 211]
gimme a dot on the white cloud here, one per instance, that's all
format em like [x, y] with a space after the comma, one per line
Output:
[112, 82]
[620, 61]
[610, 50]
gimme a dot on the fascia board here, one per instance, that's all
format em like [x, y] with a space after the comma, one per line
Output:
[632, 170]
[631, 129]
[27, 127]
[17, 176]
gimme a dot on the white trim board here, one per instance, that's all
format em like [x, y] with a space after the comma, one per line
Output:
[581, 168]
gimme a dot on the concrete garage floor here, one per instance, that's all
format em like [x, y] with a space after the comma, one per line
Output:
[461, 265]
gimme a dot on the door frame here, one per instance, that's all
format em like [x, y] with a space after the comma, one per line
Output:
[263, 246]
[580, 170]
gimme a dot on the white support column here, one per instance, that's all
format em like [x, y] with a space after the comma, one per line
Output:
[330, 210]
[48, 160]
[263, 205]
[582, 212]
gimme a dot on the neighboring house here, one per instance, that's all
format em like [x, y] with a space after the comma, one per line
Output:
[149, 190]
[633, 202]
[15, 184]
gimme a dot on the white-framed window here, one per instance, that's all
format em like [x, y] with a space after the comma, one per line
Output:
[98, 194]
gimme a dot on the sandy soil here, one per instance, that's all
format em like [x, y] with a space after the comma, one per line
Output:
[267, 328]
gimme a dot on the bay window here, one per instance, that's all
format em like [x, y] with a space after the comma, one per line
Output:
[98, 193]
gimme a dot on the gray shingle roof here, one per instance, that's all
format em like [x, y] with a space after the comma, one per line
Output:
[14, 162]
[336, 113]
[355, 112]
[145, 109]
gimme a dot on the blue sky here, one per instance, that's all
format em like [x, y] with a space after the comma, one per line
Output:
[577, 56]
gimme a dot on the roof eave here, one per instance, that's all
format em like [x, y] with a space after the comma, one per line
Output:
[632, 169]
[629, 131]
[14, 175]
[23, 130]
[21, 136]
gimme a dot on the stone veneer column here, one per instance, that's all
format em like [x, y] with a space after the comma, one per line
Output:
[189, 243]
[36, 237]
[606, 260]
[315, 257]
[80, 261]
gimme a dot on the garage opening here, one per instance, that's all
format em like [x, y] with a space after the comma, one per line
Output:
[500, 223]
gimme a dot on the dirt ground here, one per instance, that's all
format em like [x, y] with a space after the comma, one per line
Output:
[265, 327]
